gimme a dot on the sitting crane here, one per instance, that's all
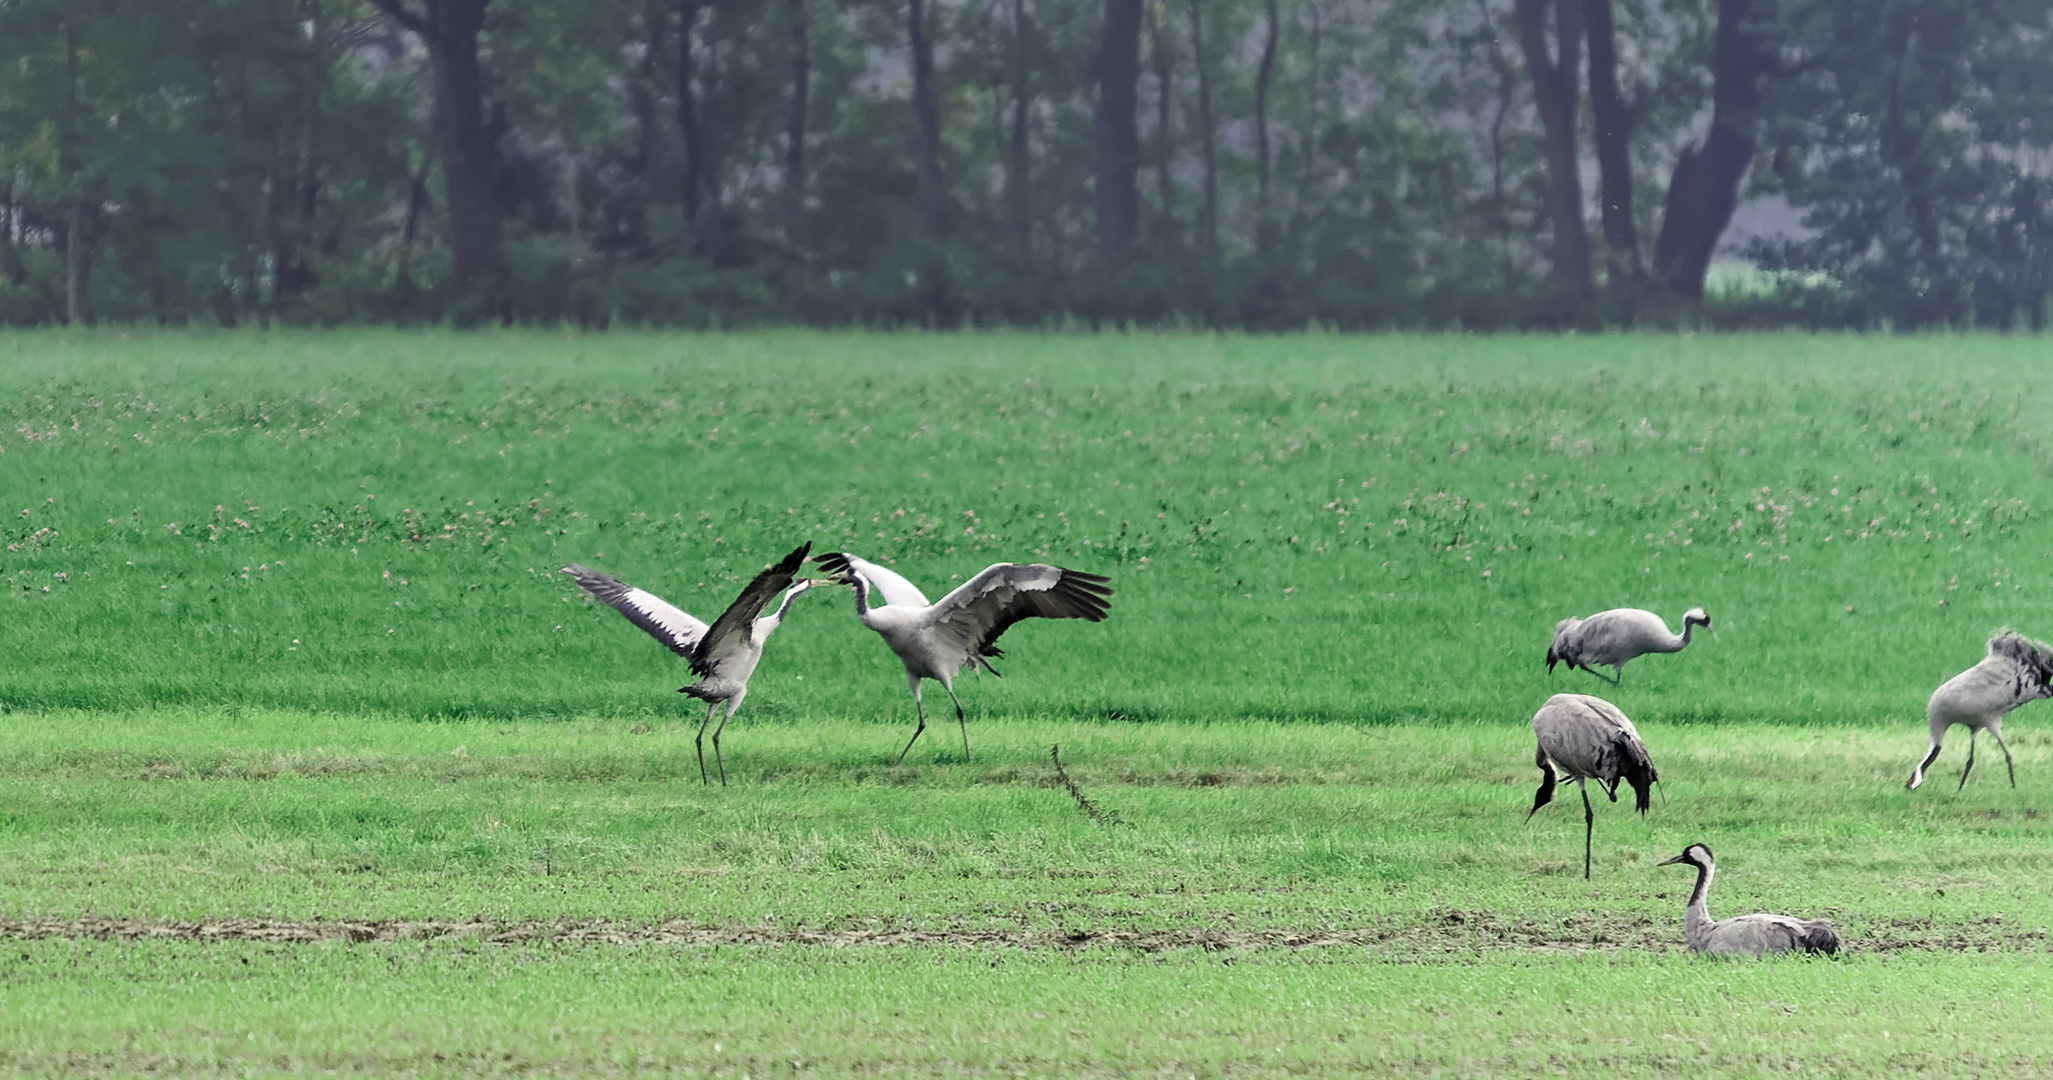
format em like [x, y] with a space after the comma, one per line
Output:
[723, 655]
[1744, 935]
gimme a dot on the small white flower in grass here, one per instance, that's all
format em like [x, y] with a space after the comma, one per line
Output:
[1486, 573]
[395, 631]
[1749, 554]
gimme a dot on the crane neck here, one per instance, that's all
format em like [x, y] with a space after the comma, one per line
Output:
[1696, 919]
[771, 621]
[1688, 628]
[862, 594]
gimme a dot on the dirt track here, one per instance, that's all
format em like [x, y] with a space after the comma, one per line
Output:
[1448, 931]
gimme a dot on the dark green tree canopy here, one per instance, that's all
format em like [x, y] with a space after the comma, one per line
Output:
[1251, 163]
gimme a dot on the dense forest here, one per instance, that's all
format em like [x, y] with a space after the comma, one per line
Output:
[1249, 163]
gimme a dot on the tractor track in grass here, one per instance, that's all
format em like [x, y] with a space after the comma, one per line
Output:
[1445, 932]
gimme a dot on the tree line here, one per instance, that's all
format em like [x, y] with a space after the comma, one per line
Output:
[1249, 163]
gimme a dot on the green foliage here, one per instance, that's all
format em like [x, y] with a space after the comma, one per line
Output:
[1928, 199]
[234, 160]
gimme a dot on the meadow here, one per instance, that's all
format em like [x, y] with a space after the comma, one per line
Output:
[309, 759]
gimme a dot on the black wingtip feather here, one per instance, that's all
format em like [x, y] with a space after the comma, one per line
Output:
[796, 559]
[834, 562]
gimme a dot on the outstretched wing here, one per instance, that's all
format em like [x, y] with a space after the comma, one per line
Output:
[971, 618]
[730, 633]
[895, 590]
[676, 629]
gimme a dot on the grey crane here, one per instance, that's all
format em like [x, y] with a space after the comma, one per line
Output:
[1617, 636]
[937, 640]
[2016, 670]
[723, 655]
[1587, 738]
[1744, 935]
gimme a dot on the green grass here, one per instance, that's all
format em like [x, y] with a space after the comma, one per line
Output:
[1308, 711]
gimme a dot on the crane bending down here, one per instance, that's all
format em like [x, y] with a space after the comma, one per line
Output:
[1617, 636]
[937, 640]
[2016, 670]
[1587, 738]
[1744, 935]
[723, 655]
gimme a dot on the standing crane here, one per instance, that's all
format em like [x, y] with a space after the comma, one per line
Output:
[723, 655]
[1587, 738]
[1616, 636]
[2016, 670]
[1744, 935]
[937, 640]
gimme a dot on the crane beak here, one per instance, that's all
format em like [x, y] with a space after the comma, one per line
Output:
[1671, 862]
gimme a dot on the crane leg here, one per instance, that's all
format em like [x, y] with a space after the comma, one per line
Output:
[732, 704]
[1998, 736]
[922, 712]
[960, 722]
[700, 742]
[1589, 828]
[1970, 758]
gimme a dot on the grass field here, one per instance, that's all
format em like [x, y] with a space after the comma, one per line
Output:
[309, 760]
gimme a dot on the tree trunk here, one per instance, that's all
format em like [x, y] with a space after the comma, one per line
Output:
[470, 154]
[801, 90]
[1208, 216]
[1308, 171]
[1264, 233]
[1555, 94]
[69, 166]
[688, 131]
[1119, 148]
[1018, 157]
[1613, 135]
[926, 107]
[1704, 190]
[1158, 51]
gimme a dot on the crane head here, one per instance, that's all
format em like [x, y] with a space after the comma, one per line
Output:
[1694, 855]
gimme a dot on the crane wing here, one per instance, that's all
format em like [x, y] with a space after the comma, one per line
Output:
[1589, 737]
[895, 590]
[677, 630]
[972, 617]
[729, 635]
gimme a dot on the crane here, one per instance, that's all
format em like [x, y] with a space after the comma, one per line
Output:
[2016, 670]
[723, 655]
[1617, 636]
[1744, 935]
[1587, 738]
[937, 640]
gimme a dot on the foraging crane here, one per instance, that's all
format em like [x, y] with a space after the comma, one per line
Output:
[1744, 935]
[1616, 636]
[1587, 738]
[2016, 670]
[935, 641]
[723, 655]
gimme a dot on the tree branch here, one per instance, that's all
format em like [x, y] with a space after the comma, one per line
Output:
[399, 14]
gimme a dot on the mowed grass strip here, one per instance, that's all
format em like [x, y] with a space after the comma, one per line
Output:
[463, 1008]
[1249, 826]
